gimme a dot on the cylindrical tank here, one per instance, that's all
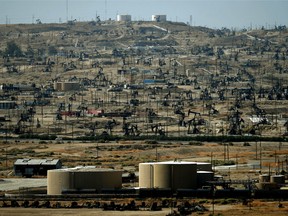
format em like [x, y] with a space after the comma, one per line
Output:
[57, 181]
[124, 18]
[81, 178]
[70, 86]
[58, 86]
[159, 18]
[171, 175]
[184, 176]
[162, 175]
[264, 178]
[278, 179]
[203, 177]
[146, 179]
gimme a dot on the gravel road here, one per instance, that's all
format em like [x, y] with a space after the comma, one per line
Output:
[8, 184]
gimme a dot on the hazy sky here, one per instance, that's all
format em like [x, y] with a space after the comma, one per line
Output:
[214, 14]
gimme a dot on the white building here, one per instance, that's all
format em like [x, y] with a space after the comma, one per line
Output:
[159, 18]
[124, 18]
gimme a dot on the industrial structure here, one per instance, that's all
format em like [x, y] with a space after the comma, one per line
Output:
[66, 86]
[82, 178]
[174, 175]
[159, 18]
[8, 105]
[30, 167]
[124, 18]
[268, 182]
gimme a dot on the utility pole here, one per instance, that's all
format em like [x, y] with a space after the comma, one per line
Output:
[6, 143]
[66, 10]
[260, 155]
[105, 10]
[256, 144]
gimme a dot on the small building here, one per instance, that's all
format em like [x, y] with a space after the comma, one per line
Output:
[8, 105]
[82, 178]
[124, 18]
[159, 18]
[66, 86]
[30, 167]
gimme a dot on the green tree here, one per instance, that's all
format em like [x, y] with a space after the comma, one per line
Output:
[13, 50]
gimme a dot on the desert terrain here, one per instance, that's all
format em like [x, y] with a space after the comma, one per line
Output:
[146, 91]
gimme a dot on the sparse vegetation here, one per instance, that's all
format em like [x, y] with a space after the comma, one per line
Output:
[207, 85]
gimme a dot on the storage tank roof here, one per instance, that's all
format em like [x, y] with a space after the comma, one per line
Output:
[204, 172]
[86, 169]
[29, 161]
[169, 162]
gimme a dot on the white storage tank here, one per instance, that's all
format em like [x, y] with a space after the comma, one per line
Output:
[81, 178]
[146, 171]
[162, 175]
[168, 175]
[57, 181]
[159, 18]
[58, 86]
[124, 18]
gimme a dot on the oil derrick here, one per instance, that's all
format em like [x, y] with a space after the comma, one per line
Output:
[110, 125]
[150, 115]
[205, 95]
[211, 109]
[61, 107]
[178, 110]
[92, 127]
[286, 128]
[189, 95]
[221, 94]
[161, 62]
[69, 66]
[38, 125]
[259, 120]
[130, 129]
[258, 111]
[194, 122]
[25, 117]
[100, 79]
[193, 125]
[12, 69]
[7, 61]
[147, 61]
[235, 121]
[49, 65]
[98, 20]
[158, 129]
[59, 116]
[278, 92]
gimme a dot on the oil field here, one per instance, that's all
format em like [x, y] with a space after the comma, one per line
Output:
[143, 118]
